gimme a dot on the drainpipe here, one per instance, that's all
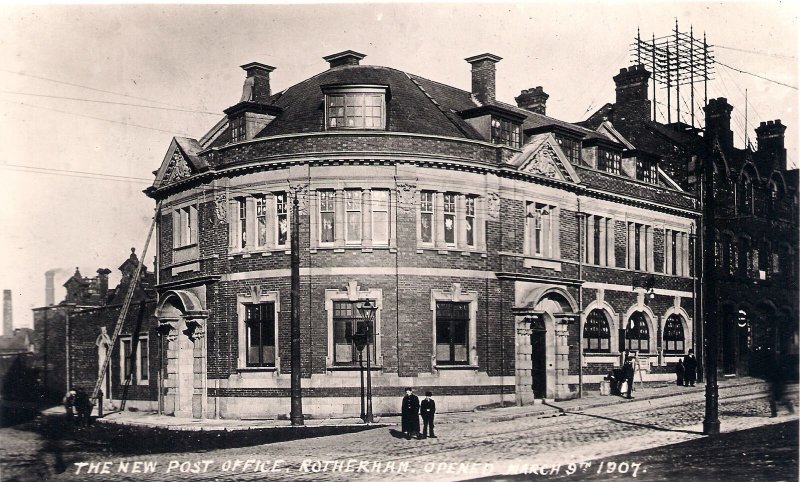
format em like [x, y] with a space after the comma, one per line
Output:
[580, 299]
[66, 351]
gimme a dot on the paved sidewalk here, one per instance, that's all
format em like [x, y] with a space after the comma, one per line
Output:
[539, 409]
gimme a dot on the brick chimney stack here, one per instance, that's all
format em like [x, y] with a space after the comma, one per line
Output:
[631, 86]
[348, 57]
[483, 77]
[770, 137]
[535, 100]
[256, 84]
[718, 122]
[102, 282]
[49, 288]
[8, 314]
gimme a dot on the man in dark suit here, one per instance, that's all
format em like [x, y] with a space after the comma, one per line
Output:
[628, 372]
[410, 414]
[428, 410]
[690, 369]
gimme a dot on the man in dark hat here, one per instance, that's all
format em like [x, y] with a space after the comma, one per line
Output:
[690, 369]
[410, 414]
[427, 409]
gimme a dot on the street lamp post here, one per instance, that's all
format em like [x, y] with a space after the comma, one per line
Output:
[367, 309]
[360, 339]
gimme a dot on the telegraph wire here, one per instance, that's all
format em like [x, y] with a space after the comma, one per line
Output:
[110, 102]
[96, 118]
[85, 87]
[758, 52]
[756, 75]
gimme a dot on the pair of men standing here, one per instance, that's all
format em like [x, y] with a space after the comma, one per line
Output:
[411, 410]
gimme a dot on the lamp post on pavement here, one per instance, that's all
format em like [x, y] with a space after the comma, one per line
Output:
[367, 310]
[360, 340]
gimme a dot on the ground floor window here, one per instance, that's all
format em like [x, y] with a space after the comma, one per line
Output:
[596, 333]
[135, 362]
[347, 322]
[260, 322]
[452, 333]
[637, 334]
[674, 338]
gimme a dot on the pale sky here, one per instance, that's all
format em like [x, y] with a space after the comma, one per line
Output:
[186, 58]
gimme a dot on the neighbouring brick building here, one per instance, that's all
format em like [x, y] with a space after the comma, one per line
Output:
[73, 338]
[756, 218]
[511, 255]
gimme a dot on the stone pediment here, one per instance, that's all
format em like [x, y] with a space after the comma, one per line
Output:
[180, 162]
[542, 156]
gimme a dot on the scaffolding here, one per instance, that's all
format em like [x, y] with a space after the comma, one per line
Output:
[675, 60]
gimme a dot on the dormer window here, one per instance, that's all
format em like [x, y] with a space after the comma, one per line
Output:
[609, 161]
[570, 147]
[505, 132]
[238, 131]
[355, 107]
[647, 171]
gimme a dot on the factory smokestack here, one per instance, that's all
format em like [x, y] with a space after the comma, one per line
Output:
[8, 314]
[49, 286]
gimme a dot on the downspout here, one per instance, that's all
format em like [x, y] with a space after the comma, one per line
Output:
[580, 299]
[68, 379]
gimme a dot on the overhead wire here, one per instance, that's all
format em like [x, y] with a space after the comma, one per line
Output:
[175, 109]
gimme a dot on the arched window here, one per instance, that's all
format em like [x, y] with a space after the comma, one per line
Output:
[637, 334]
[674, 338]
[596, 333]
[744, 195]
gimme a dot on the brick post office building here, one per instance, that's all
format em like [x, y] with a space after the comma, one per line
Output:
[511, 255]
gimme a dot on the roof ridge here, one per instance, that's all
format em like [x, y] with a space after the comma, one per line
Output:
[434, 101]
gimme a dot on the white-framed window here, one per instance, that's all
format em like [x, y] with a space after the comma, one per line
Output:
[352, 225]
[185, 219]
[598, 240]
[426, 216]
[241, 226]
[327, 216]
[381, 200]
[506, 132]
[260, 329]
[355, 108]
[539, 229]
[341, 307]
[674, 337]
[258, 334]
[469, 220]
[449, 227]
[281, 219]
[134, 364]
[454, 326]
[261, 221]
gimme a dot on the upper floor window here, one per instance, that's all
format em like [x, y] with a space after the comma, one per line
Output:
[259, 222]
[450, 218]
[185, 226]
[596, 333]
[242, 209]
[640, 247]
[609, 161]
[646, 171]
[259, 320]
[598, 241]
[326, 216]
[744, 195]
[674, 338]
[238, 131]
[426, 216]
[539, 229]
[380, 217]
[352, 204]
[506, 132]
[571, 148]
[282, 218]
[361, 109]
[676, 252]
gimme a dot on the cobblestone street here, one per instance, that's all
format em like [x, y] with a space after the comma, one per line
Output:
[470, 445]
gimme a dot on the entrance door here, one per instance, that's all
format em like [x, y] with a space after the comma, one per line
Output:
[538, 359]
[743, 360]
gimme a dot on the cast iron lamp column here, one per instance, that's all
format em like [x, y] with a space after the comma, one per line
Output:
[709, 283]
[360, 340]
[367, 309]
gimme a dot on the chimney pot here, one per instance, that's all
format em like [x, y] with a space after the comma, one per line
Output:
[483, 76]
[348, 57]
[8, 314]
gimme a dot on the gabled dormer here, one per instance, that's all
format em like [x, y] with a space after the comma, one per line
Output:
[605, 155]
[253, 112]
[567, 136]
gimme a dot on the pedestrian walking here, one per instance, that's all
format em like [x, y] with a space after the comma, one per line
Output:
[627, 372]
[410, 414]
[83, 406]
[428, 410]
[680, 370]
[69, 403]
[690, 369]
[776, 377]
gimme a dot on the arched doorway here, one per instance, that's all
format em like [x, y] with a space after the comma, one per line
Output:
[182, 325]
[542, 314]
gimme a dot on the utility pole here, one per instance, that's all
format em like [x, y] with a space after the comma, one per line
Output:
[709, 284]
[296, 415]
